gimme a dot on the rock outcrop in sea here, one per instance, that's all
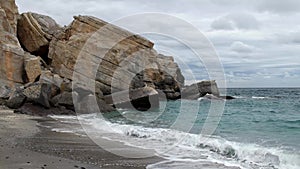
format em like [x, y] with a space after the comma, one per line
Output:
[38, 59]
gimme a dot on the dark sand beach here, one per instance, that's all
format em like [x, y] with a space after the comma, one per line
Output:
[25, 145]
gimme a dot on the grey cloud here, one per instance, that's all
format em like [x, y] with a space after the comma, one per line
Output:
[241, 47]
[274, 6]
[222, 24]
[236, 21]
[278, 6]
[290, 37]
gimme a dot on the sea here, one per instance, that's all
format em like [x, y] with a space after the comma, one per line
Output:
[260, 129]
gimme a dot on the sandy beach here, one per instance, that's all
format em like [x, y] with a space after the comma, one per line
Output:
[25, 145]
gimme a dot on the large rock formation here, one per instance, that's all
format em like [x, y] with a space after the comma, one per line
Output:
[129, 56]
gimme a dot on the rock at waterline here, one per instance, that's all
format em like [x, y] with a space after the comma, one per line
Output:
[200, 89]
[141, 99]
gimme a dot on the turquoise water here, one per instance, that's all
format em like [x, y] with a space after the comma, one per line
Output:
[269, 117]
[261, 126]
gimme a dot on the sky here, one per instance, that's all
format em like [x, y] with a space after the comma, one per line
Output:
[258, 41]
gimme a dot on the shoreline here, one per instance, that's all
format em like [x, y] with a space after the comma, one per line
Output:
[23, 144]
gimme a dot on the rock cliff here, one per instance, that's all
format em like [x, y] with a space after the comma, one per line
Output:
[11, 53]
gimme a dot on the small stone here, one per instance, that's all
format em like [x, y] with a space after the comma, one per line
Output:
[16, 100]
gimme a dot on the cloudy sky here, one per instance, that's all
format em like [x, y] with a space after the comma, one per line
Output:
[258, 41]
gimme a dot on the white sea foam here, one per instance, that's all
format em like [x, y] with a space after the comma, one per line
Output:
[262, 97]
[184, 147]
[240, 97]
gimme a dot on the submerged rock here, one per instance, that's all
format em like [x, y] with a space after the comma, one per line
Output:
[227, 97]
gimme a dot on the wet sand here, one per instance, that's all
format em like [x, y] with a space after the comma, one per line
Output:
[26, 145]
[23, 145]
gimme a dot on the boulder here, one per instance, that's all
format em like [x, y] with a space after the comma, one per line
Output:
[141, 99]
[200, 89]
[84, 105]
[41, 93]
[73, 40]
[32, 67]
[35, 32]
[5, 92]
[63, 99]
[16, 99]
[51, 78]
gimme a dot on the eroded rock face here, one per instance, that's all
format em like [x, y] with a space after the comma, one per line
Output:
[11, 54]
[115, 58]
[11, 11]
[35, 32]
[12, 64]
